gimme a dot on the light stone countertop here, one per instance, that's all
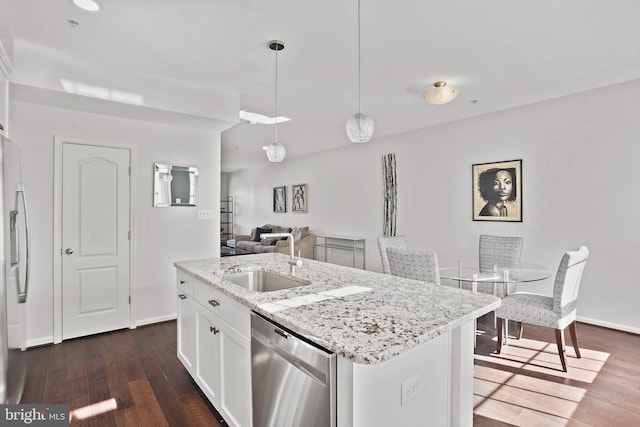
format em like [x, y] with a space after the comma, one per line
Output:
[363, 316]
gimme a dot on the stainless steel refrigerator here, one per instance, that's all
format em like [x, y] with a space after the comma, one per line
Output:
[14, 280]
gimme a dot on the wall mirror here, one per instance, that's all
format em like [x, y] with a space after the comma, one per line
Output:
[174, 185]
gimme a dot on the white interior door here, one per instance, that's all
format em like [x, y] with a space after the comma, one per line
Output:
[95, 239]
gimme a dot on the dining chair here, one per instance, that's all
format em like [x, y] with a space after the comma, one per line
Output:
[502, 252]
[413, 264]
[389, 242]
[557, 312]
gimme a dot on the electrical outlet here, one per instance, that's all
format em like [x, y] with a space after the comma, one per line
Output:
[410, 388]
[205, 214]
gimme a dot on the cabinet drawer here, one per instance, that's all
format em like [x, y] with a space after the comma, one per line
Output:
[184, 282]
[232, 312]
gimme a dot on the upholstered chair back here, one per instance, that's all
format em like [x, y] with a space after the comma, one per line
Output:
[567, 284]
[411, 264]
[503, 251]
[389, 242]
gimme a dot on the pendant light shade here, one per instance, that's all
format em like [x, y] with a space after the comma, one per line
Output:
[359, 127]
[440, 94]
[276, 151]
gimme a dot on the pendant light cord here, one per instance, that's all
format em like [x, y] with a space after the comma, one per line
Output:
[359, 72]
[276, 107]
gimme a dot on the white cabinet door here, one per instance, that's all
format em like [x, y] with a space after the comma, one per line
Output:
[207, 375]
[186, 330]
[235, 362]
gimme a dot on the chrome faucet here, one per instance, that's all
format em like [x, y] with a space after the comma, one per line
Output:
[292, 261]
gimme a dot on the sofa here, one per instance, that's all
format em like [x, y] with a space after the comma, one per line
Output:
[304, 242]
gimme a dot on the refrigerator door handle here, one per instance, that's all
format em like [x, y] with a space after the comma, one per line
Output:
[22, 295]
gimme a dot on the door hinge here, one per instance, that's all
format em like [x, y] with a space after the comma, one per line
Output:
[129, 235]
[129, 170]
[129, 299]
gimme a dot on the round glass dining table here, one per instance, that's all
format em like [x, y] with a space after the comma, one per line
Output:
[466, 270]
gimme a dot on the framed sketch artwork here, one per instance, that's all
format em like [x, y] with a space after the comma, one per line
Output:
[497, 191]
[299, 195]
[280, 199]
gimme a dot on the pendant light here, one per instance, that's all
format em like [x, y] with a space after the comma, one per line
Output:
[360, 126]
[275, 150]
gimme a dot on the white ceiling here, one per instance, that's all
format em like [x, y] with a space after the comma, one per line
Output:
[502, 53]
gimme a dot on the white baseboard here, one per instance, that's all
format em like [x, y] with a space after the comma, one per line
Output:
[40, 341]
[158, 319]
[49, 340]
[609, 325]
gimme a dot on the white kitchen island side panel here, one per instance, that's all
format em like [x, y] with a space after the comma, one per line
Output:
[436, 374]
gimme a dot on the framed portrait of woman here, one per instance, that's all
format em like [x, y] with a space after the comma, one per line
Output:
[497, 191]
[280, 199]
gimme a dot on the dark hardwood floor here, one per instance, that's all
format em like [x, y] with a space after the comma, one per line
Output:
[133, 378]
[525, 384]
[136, 369]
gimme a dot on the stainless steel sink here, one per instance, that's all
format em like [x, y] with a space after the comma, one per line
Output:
[263, 281]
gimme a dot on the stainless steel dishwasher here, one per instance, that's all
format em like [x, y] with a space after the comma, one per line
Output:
[293, 380]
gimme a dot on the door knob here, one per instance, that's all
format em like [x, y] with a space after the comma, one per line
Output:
[68, 251]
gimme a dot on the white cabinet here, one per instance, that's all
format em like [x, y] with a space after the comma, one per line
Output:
[207, 373]
[221, 365]
[186, 323]
[235, 371]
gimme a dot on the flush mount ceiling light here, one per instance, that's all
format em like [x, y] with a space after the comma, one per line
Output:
[275, 150]
[89, 5]
[360, 126]
[440, 93]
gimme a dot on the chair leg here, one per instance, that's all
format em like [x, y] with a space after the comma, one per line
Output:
[499, 331]
[560, 342]
[519, 329]
[574, 338]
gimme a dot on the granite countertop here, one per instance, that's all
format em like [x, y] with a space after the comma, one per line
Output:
[363, 316]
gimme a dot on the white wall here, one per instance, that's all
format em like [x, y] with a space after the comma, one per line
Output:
[580, 186]
[162, 235]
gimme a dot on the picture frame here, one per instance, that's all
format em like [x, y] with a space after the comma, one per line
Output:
[299, 198]
[280, 199]
[497, 191]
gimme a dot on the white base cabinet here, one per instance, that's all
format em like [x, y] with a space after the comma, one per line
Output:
[222, 363]
[186, 323]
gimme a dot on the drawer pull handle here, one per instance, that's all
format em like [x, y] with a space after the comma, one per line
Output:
[182, 282]
[182, 296]
[214, 302]
[214, 330]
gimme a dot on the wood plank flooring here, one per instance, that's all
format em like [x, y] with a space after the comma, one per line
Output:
[525, 385]
[138, 371]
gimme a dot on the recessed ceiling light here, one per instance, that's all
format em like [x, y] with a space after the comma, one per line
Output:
[89, 5]
[253, 118]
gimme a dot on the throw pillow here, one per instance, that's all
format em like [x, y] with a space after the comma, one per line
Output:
[259, 231]
[296, 233]
[271, 241]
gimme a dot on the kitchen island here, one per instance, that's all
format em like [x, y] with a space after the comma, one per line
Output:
[405, 348]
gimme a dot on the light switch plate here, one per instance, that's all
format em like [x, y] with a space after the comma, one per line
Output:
[205, 214]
